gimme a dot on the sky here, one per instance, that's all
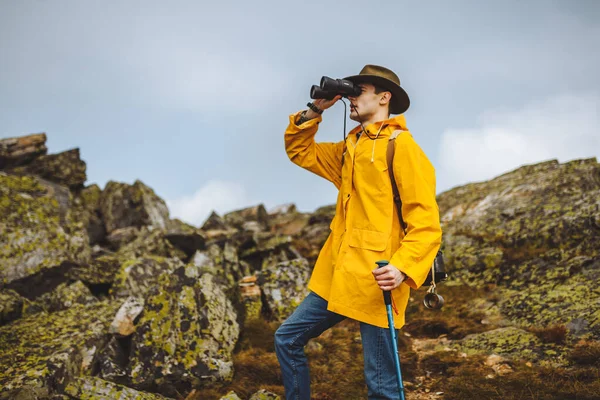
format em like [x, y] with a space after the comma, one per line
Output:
[193, 97]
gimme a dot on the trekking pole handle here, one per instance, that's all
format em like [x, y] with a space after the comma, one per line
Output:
[387, 297]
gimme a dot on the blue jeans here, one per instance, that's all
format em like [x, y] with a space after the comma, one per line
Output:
[308, 321]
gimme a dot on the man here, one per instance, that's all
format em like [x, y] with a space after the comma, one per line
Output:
[345, 281]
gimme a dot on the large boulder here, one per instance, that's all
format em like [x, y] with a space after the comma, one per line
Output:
[284, 286]
[124, 205]
[43, 352]
[186, 335]
[40, 240]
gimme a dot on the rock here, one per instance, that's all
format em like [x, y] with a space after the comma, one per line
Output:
[284, 286]
[11, 306]
[121, 236]
[222, 263]
[136, 276]
[45, 351]
[86, 204]
[111, 362]
[251, 298]
[64, 296]
[263, 394]
[185, 237]
[214, 223]
[123, 324]
[101, 270]
[21, 150]
[263, 249]
[126, 205]
[151, 241]
[186, 334]
[89, 387]
[65, 168]
[509, 341]
[40, 240]
[251, 218]
[230, 396]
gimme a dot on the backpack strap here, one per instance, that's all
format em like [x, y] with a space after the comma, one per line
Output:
[390, 159]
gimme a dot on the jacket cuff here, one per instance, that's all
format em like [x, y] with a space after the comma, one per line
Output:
[294, 128]
[409, 269]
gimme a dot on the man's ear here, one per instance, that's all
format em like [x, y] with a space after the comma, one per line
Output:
[385, 98]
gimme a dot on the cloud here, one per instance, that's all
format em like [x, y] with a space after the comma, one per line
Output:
[562, 127]
[216, 196]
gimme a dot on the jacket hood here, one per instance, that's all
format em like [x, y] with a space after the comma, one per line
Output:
[397, 122]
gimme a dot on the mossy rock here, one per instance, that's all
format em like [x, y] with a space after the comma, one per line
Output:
[93, 388]
[125, 205]
[45, 351]
[64, 296]
[101, 270]
[509, 341]
[86, 209]
[284, 286]
[253, 218]
[136, 276]
[230, 396]
[186, 335]
[40, 239]
[65, 168]
[263, 394]
[222, 262]
[151, 241]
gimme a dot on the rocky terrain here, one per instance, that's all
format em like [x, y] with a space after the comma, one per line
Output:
[104, 296]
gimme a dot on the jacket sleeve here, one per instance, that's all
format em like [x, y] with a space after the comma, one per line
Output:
[323, 159]
[415, 177]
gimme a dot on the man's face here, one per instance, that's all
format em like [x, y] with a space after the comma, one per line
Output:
[366, 104]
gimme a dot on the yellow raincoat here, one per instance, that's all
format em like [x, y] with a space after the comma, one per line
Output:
[366, 227]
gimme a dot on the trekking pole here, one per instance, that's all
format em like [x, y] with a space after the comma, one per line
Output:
[387, 299]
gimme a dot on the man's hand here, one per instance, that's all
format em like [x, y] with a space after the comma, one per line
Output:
[323, 104]
[388, 277]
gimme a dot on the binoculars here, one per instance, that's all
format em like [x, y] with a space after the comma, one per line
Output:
[330, 88]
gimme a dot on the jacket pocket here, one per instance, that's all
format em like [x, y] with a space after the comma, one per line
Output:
[370, 240]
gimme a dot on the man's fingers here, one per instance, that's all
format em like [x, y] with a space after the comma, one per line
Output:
[382, 270]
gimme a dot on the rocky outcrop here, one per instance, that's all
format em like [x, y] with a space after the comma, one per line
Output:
[533, 232]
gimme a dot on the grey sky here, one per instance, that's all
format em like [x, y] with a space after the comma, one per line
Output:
[193, 97]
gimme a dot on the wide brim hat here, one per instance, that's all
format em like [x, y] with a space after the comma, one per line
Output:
[386, 79]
